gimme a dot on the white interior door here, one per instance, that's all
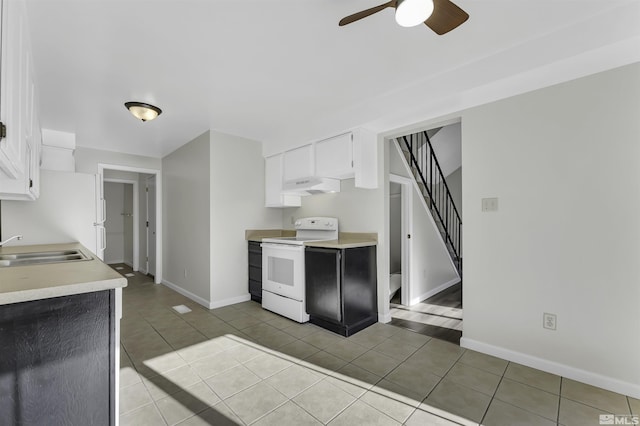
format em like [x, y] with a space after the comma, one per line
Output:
[151, 225]
[406, 243]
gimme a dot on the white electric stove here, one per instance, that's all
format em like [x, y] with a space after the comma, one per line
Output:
[283, 282]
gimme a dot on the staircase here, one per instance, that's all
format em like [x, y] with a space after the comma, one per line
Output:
[422, 161]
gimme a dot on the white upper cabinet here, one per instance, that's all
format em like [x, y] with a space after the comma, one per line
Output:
[350, 155]
[21, 145]
[273, 197]
[365, 158]
[298, 163]
[334, 157]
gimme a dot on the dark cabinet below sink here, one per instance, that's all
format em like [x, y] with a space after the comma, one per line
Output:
[341, 288]
[255, 271]
[57, 361]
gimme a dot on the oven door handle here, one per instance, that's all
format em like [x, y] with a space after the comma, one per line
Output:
[287, 247]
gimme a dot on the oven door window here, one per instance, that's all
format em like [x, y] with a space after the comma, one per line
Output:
[283, 270]
[280, 270]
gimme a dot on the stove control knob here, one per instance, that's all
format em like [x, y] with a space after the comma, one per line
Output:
[297, 223]
[327, 224]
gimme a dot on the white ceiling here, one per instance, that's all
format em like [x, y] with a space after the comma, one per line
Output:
[282, 71]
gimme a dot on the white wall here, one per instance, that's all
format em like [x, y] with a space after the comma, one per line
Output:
[236, 204]
[564, 162]
[447, 145]
[87, 160]
[185, 227]
[454, 182]
[395, 227]
[347, 205]
[120, 174]
[65, 211]
[114, 225]
[431, 267]
[119, 223]
[142, 220]
[127, 208]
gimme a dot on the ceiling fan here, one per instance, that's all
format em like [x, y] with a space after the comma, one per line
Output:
[441, 16]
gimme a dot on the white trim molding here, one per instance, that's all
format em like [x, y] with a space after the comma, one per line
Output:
[186, 293]
[158, 174]
[384, 318]
[434, 291]
[588, 377]
[204, 302]
[230, 301]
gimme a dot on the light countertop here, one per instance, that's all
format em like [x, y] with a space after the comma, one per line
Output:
[258, 234]
[347, 240]
[33, 282]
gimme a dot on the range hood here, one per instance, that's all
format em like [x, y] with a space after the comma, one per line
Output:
[310, 186]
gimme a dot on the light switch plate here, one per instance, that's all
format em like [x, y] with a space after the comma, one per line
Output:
[489, 204]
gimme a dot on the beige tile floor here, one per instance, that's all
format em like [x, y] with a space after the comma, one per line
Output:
[242, 365]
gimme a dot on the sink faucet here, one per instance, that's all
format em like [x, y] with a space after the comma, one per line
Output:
[15, 237]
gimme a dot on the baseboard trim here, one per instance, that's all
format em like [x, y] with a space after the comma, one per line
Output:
[230, 301]
[435, 291]
[187, 293]
[563, 370]
[384, 318]
[207, 304]
[113, 262]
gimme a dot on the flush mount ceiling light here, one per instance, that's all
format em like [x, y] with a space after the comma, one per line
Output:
[410, 13]
[142, 111]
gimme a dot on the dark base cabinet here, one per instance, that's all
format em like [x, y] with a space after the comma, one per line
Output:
[255, 271]
[57, 361]
[341, 288]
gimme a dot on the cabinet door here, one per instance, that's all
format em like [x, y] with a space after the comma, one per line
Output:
[13, 86]
[298, 163]
[365, 158]
[273, 196]
[57, 361]
[334, 157]
[359, 290]
[272, 180]
[255, 271]
[323, 283]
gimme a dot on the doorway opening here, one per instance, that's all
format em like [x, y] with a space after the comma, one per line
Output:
[130, 200]
[429, 299]
[121, 195]
[151, 224]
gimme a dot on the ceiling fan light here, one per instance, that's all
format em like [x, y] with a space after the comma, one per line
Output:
[142, 111]
[410, 13]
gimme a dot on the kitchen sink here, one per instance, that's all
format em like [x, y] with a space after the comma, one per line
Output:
[37, 258]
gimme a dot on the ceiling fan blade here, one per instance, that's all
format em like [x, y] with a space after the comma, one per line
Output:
[364, 13]
[446, 16]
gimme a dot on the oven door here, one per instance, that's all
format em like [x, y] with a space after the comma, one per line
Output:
[283, 270]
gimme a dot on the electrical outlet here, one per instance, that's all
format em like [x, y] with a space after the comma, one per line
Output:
[185, 272]
[549, 321]
[293, 220]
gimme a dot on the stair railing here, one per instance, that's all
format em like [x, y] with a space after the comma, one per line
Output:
[439, 198]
